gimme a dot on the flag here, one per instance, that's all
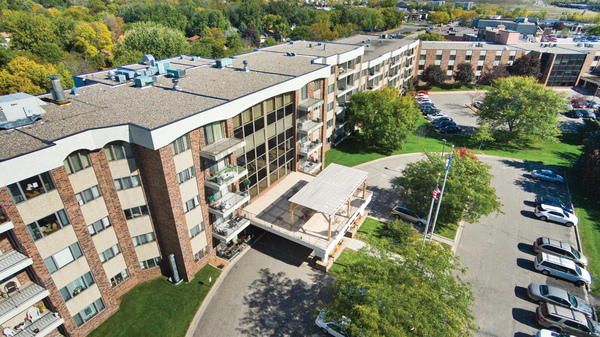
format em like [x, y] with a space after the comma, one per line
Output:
[448, 161]
[436, 192]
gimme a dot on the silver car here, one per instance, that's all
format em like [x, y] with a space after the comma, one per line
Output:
[562, 268]
[559, 248]
[401, 212]
[541, 293]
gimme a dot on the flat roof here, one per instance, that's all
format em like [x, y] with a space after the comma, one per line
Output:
[463, 45]
[330, 189]
[311, 48]
[375, 48]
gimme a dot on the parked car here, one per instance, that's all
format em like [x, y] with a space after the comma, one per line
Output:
[588, 114]
[427, 109]
[450, 129]
[477, 104]
[550, 333]
[426, 105]
[562, 268]
[574, 113]
[423, 92]
[542, 200]
[547, 175]
[443, 124]
[401, 212]
[424, 100]
[556, 214]
[591, 104]
[559, 248]
[421, 96]
[566, 320]
[334, 328]
[446, 118]
[435, 116]
[541, 293]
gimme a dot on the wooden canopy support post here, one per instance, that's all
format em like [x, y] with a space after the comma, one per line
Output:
[292, 206]
[348, 207]
[329, 231]
[364, 188]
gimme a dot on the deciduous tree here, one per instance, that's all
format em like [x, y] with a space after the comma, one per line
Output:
[154, 39]
[385, 118]
[431, 37]
[526, 65]
[490, 74]
[23, 75]
[522, 109]
[464, 73]
[439, 17]
[433, 75]
[468, 195]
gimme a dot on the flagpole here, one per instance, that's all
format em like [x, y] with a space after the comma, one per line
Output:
[437, 211]
[433, 198]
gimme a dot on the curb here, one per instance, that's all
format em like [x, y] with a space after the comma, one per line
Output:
[461, 225]
[213, 291]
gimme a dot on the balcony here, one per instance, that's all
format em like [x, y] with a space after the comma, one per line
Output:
[344, 89]
[13, 262]
[309, 147]
[374, 86]
[228, 203]
[5, 224]
[42, 326]
[228, 230]
[339, 109]
[225, 177]
[309, 166]
[309, 126]
[222, 148]
[343, 72]
[310, 104]
[17, 302]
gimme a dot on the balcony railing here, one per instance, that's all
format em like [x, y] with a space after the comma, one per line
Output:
[222, 148]
[225, 177]
[19, 301]
[5, 223]
[343, 72]
[41, 326]
[309, 166]
[228, 204]
[309, 147]
[309, 126]
[12, 262]
[229, 229]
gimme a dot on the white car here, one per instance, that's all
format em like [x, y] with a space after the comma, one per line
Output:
[556, 214]
[424, 100]
[334, 328]
[547, 175]
[421, 95]
[550, 333]
[436, 116]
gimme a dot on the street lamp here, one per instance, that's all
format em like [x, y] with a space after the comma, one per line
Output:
[444, 148]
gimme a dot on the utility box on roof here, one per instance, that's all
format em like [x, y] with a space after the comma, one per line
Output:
[176, 72]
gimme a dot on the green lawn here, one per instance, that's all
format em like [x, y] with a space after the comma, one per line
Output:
[370, 227]
[158, 308]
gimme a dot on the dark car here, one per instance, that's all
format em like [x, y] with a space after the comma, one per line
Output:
[450, 129]
[431, 110]
[426, 105]
[444, 124]
[575, 113]
[441, 119]
[587, 114]
[552, 201]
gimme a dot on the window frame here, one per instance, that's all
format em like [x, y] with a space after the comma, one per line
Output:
[75, 251]
[62, 220]
[77, 157]
[45, 183]
[111, 151]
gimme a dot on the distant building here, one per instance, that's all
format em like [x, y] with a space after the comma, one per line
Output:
[465, 5]
[436, 3]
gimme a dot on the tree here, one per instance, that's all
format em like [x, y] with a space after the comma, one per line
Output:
[302, 33]
[385, 118]
[526, 65]
[207, 18]
[278, 25]
[321, 32]
[522, 109]
[251, 36]
[149, 38]
[490, 74]
[23, 75]
[431, 37]
[483, 134]
[468, 195]
[558, 26]
[433, 75]
[397, 287]
[439, 17]
[392, 17]
[269, 42]
[464, 73]
[594, 30]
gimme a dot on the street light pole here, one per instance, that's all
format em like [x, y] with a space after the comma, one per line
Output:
[444, 148]
[431, 210]
[437, 211]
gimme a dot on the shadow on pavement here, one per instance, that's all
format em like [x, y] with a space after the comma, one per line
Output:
[525, 317]
[521, 292]
[528, 214]
[526, 264]
[382, 202]
[529, 203]
[526, 248]
[522, 334]
[280, 306]
[282, 249]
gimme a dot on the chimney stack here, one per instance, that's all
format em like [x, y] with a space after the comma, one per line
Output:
[246, 65]
[58, 94]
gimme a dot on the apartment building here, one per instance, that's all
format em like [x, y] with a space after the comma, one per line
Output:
[104, 185]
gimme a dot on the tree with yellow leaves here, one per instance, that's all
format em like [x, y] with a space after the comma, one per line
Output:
[23, 75]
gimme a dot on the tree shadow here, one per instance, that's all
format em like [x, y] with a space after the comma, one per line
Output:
[382, 202]
[526, 264]
[525, 317]
[281, 306]
[521, 292]
[526, 248]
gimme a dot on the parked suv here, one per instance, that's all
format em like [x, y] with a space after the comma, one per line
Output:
[401, 212]
[566, 320]
[559, 248]
[562, 268]
[542, 200]
[551, 213]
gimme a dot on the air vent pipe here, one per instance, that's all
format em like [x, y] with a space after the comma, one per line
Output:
[58, 94]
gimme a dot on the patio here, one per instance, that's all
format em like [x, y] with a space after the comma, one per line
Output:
[324, 207]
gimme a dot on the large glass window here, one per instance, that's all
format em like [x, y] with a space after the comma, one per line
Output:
[118, 151]
[151, 263]
[196, 230]
[127, 182]
[213, 132]
[180, 144]
[136, 212]
[191, 204]
[63, 258]
[143, 239]
[110, 253]
[31, 187]
[77, 161]
[88, 195]
[89, 312]
[304, 92]
[77, 287]
[99, 226]
[119, 278]
[48, 225]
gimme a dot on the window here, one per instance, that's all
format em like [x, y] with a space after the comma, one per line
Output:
[191, 204]
[330, 106]
[482, 57]
[331, 88]
[438, 57]
[31, 187]
[118, 151]
[88, 312]
[330, 123]
[196, 230]
[88, 195]
[468, 57]
[63, 258]
[304, 92]
[328, 140]
[151, 263]
[422, 57]
[213, 132]
[99, 226]
[498, 58]
[201, 254]
[364, 72]
[356, 76]
[143, 239]
[421, 66]
[127, 182]
[450, 68]
[452, 57]
[110, 253]
[317, 85]
[77, 287]
[186, 174]
[479, 68]
[180, 144]
[48, 225]
[119, 278]
[135, 212]
[511, 58]
[596, 58]
[77, 161]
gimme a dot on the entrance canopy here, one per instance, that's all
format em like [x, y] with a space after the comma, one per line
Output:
[330, 189]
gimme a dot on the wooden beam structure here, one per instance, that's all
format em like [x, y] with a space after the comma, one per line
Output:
[364, 189]
[329, 232]
[292, 206]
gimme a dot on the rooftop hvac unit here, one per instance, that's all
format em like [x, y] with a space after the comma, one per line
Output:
[148, 60]
[162, 67]
[120, 78]
[591, 45]
[580, 44]
[480, 44]
[176, 72]
[224, 62]
[143, 81]
[291, 42]
[19, 109]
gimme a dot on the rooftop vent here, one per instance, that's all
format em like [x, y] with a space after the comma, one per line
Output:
[290, 53]
[182, 57]
[176, 86]
[506, 48]
[310, 45]
[319, 43]
[324, 46]
[246, 65]
[224, 62]
[368, 39]
[363, 41]
[480, 44]
[380, 41]
[58, 94]
[19, 109]
[580, 44]
[74, 91]
[367, 45]
[144, 81]
[194, 58]
[176, 72]
[291, 42]
[148, 60]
